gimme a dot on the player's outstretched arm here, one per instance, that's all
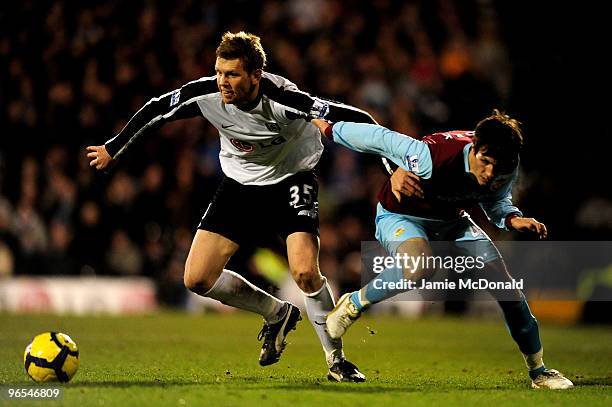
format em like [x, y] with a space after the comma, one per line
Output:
[502, 212]
[302, 105]
[410, 154]
[313, 108]
[178, 104]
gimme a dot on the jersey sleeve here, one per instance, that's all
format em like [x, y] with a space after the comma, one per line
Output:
[301, 105]
[409, 153]
[500, 207]
[175, 105]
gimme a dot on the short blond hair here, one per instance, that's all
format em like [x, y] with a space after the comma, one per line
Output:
[244, 46]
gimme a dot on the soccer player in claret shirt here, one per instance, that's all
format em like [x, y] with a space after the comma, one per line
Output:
[458, 169]
[268, 155]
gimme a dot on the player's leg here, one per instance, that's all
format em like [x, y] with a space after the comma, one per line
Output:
[297, 221]
[303, 256]
[220, 232]
[399, 234]
[523, 327]
[521, 323]
[205, 275]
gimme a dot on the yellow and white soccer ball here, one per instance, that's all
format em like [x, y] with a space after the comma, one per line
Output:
[52, 356]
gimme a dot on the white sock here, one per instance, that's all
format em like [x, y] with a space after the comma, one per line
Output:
[318, 305]
[234, 290]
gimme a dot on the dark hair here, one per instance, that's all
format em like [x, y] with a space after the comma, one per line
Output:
[244, 46]
[501, 138]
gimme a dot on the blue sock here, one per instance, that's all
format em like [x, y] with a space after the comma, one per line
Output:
[533, 373]
[523, 328]
[357, 301]
[522, 325]
[373, 292]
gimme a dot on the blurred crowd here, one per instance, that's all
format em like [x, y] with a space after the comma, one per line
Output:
[73, 73]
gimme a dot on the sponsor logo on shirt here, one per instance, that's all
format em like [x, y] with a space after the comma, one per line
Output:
[242, 145]
[249, 147]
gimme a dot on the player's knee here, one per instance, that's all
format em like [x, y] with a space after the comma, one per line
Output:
[194, 284]
[308, 278]
[418, 250]
[196, 281]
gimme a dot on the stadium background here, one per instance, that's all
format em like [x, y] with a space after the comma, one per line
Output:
[73, 73]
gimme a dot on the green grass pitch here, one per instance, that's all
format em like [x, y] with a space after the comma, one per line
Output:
[173, 359]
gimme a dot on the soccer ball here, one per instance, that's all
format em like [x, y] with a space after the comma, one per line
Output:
[52, 356]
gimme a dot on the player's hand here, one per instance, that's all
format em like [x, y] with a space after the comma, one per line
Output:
[99, 157]
[321, 124]
[529, 225]
[406, 183]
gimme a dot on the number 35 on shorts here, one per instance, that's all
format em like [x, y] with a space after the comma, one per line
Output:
[303, 199]
[300, 195]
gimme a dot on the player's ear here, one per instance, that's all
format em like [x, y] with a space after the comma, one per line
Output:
[256, 75]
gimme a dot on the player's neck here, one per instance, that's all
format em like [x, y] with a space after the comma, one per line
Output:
[471, 159]
[252, 100]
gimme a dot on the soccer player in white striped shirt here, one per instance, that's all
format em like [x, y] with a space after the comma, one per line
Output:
[269, 151]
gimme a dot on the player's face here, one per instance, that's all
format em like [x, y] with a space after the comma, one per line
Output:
[485, 168]
[236, 85]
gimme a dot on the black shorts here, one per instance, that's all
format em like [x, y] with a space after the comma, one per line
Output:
[246, 214]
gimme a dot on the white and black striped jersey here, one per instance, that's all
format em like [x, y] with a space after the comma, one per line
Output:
[262, 144]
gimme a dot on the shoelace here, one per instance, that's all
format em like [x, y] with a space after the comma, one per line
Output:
[264, 332]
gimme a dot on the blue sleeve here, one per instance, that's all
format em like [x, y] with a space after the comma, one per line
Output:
[500, 206]
[410, 154]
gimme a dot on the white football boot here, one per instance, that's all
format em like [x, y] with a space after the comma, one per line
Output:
[551, 379]
[342, 317]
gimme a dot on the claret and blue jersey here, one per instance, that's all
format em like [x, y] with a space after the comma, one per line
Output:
[441, 160]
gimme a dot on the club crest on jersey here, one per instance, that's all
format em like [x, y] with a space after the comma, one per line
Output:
[413, 163]
[475, 231]
[273, 127]
[174, 97]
